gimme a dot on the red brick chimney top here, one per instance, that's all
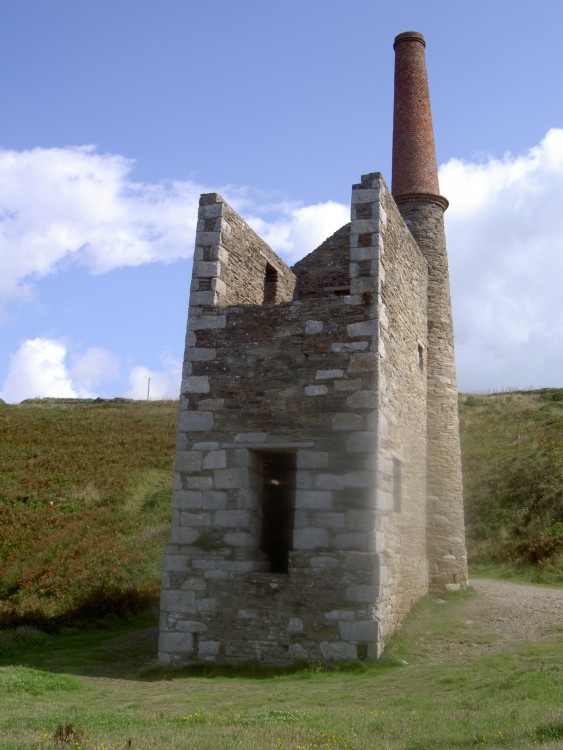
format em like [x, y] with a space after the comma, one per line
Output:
[415, 170]
[407, 36]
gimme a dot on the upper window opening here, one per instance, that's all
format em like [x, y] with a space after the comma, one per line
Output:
[397, 485]
[270, 284]
[421, 356]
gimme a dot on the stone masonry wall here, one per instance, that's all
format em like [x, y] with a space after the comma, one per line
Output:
[288, 378]
[445, 524]
[325, 271]
[300, 377]
[401, 517]
[230, 260]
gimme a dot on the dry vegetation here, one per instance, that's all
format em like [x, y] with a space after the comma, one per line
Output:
[107, 468]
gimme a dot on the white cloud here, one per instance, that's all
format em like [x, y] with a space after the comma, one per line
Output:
[75, 205]
[300, 229]
[47, 368]
[155, 384]
[38, 370]
[95, 366]
[505, 242]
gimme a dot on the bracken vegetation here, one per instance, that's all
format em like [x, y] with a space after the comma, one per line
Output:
[106, 466]
[85, 491]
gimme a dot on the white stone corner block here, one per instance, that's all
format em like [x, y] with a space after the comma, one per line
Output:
[316, 390]
[196, 384]
[308, 539]
[195, 421]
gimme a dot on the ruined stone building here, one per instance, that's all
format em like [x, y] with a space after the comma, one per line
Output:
[318, 479]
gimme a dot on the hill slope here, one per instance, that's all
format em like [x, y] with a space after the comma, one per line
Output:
[107, 468]
[512, 452]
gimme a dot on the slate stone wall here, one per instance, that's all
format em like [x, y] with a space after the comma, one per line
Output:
[336, 381]
[326, 271]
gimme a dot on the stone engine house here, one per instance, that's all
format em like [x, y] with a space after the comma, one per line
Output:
[318, 478]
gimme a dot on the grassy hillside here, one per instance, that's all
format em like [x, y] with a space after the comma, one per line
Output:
[512, 451]
[107, 468]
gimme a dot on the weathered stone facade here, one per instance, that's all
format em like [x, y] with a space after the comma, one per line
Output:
[305, 518]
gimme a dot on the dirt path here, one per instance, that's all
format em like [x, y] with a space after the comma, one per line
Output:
[502, 613]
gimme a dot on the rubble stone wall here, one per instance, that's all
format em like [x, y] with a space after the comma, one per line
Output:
[325, 271]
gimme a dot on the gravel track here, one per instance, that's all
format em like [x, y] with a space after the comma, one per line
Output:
[502, 614]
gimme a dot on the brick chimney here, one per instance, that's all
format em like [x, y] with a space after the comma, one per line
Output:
[416, 191]
[415, 171]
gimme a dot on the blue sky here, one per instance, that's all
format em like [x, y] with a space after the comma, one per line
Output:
[118, 114]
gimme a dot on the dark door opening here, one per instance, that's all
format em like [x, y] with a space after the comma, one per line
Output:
[278, 507]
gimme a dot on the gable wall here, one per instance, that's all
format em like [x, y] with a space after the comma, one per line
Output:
[326, 271]
[230, 259]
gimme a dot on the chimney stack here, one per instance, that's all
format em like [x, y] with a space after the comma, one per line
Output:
[415, 171]
[416, 191]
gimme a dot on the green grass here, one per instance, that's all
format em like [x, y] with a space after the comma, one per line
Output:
[78, 680]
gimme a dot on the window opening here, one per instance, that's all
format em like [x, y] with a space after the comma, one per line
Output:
[421, 356]
[397, 484]
[270, 284]
[278, 508]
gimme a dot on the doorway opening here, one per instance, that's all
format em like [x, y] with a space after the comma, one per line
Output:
[278, 508]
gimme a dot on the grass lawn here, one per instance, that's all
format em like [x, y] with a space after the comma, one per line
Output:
[84, 690]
